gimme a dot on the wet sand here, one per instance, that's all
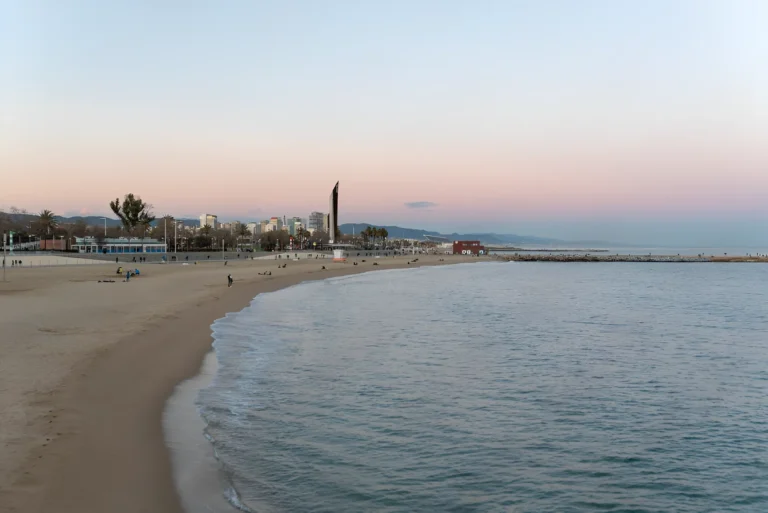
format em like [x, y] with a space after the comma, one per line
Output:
[86, 369]
[196, 472]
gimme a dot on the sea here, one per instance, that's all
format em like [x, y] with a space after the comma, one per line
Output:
[498, 387]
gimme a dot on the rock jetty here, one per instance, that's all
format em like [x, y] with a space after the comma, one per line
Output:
[517, 257]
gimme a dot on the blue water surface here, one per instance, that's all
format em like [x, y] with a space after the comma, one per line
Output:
[491, 387]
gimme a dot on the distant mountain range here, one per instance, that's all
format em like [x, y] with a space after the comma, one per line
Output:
[485, 238]
[89, 220]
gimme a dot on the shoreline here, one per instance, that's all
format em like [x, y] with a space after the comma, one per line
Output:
[88, 432]
[196, 471]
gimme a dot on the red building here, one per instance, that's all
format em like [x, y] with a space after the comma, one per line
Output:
[468, 247]
[53, 244]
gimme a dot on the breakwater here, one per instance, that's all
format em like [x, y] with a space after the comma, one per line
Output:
[517, 257]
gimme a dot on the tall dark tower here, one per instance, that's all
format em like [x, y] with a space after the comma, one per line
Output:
[333, 214]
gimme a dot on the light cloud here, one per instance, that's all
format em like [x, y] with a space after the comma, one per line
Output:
[420, 204]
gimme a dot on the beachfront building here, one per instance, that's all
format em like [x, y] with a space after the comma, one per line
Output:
[316, 221]
[468, 247]
[209, 220]
[120, 245]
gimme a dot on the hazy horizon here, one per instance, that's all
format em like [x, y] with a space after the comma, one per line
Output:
[643, 123]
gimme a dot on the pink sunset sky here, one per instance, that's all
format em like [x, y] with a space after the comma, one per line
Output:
[591, 122]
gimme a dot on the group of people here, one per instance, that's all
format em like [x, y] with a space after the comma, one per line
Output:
[128, 273]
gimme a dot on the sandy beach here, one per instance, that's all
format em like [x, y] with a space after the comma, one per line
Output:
[87, 367]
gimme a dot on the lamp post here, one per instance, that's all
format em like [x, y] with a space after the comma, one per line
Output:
[3, 255]
[105, 227]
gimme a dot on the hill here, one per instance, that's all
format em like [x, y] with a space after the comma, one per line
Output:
[88, 220]
[486, 238]
[394, 231]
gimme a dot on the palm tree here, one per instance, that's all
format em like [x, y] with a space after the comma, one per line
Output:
[242, 231]
[301, 234]
[47, 221]
[370, 233]
[205, 230]
[383, 233]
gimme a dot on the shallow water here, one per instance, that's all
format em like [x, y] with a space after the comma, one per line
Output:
[499, 387]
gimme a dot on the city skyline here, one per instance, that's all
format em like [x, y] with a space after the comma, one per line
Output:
[642, 123]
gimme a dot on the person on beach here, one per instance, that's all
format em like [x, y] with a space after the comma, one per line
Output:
[229, 280]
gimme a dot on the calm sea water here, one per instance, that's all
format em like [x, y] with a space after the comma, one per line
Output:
[499, 387]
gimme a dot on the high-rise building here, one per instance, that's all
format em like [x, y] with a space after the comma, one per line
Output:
[333, 214]
[209, 220]
[316, 221]
[254, 228]
[273, 225]
[294, 223]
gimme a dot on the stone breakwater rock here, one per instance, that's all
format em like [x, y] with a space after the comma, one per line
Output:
[603, 258]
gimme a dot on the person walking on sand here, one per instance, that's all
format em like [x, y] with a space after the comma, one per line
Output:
[229, 280]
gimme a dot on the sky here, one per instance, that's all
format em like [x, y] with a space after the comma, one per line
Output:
[641, 122]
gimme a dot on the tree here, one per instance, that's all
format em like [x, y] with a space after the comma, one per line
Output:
[5, 221]
[202, 241]
[302, 235]
[132, 212]
[383, 233]
[79, 228]
[163, 228]
[319, 237]
[46, 221]
[274, 240]
[369, 233]
[205, 230]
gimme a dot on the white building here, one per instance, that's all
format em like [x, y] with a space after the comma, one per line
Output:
[118, 246]
[209, 220]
